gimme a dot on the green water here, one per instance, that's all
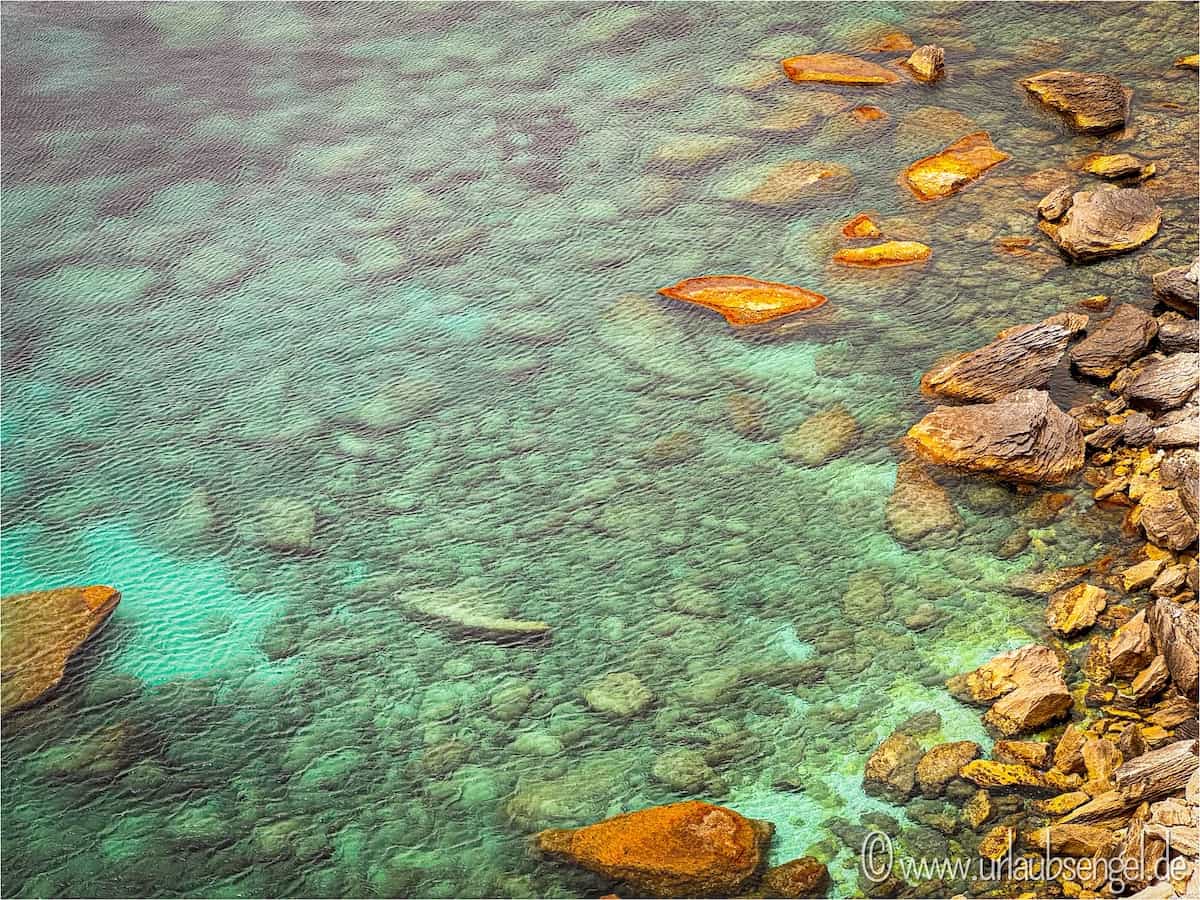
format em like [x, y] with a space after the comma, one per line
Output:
[396, 264]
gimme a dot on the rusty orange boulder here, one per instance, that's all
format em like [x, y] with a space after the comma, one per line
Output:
[743, 300]
[883, 256]
[42, 630]
[837, 68]
[953, 168]
[689, 849]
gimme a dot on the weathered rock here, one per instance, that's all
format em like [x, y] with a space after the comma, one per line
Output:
[1137, 430]
[1191, 61]
[42, 631]
[987, 773]
[1038, 754]
[790, 183]
[836, 68]
[1141, 574]
[1131, 648]
[1028, 665]
[978, 809]
[742, 300]
[1175, 634]
[470, 615]
[1177, 333]
[1117, 165]
[940, 765]
[1030, 707]
[1074, 840]
[1165, 519]
[919, 506]
[1021, 357]
[1170, 582]
[1068, 752]
[1092, 103]
[1105, 222]
[285, 524]
[1177, 288]
[1022, 436]
[686, 771]
[1181, 471]
[861, 226]
[1116, 341]
[1165, 384]
[927, 63]
[619, 695]
[803, 877]
[1075, 609]
[1101, 759]
[864, 114]
[891, 770]
[1062, 804]
[821, 437]
[997, 842]
[1151, 681]
[952, 168]
[689, 849]
[892, 42]
[1053, 205]
[1185, 433]
[887, 255]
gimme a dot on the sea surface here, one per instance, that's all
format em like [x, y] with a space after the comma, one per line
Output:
[311, 310]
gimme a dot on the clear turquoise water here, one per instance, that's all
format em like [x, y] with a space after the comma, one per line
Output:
[398, 264]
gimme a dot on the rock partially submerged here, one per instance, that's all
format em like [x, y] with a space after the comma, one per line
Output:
[1177, 288]
[836, 68]
[927, 63]
[883, 256]
[689, 849]
[1118, 340]
[42, 631]
[861, 226]
[953, 168]
[1092, 103]
[743, 300]
[1028, 665]
[1021, 357]
[1021, 437]
[1104, 223]
[1117, 165]
[803, 877]
[472, 616]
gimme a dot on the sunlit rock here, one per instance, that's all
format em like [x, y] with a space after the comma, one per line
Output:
[837, 68]
[861, 226]
[953, 168]
[743, 300]
[868, 113]
[927, 63]
[1104, 223]
[1092, 103]
[1116, 165]
[1177, 287]
[1115, 342]
[882, 256]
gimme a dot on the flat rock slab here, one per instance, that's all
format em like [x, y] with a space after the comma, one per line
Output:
[1093, 103]
[42, 630]
[1020, 437]
[883, 256]
[743, 300]
[919, 506]
[1115, 342]
[837, 68]
[953, 168]
[1105, 223]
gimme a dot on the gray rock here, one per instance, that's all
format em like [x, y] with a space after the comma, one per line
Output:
[1165, 384]
[1178, 334]
[1115, 342]
[1177, 288]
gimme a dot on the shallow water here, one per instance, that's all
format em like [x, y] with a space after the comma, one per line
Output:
[398, 264]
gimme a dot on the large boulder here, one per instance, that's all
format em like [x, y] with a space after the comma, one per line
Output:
[1164, 517]
[1092, 103]
[689, 849]
[1116, 341]
[1021, 357]
[42, 630]
[1030, 707]
[1165, 383]
[952, 168]
[1020, 437]
[1175, 634]
[1177, 287]
[1105, 222]
[919, 506]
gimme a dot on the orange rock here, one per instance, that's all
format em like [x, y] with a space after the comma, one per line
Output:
[836, 68]
[861, 226]
[893, 42]
[868, 113]
[689, 849]
[881, 256]
[953, 168]
[742, 300]
[42, 629]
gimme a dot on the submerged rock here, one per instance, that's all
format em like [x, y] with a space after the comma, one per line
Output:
[689, 849]
[836, 68]
[1092, 103]
[471, 616]
[868, 113]
[1116, 341]
[1177, 287]
[919, 506]
[891, 770]
[1022, 436]
[1117, 165]
[789, 183]
[694, 153]
[803, 877]
[42, 631]
[286, 524]
[1104, 223]
[892, 42]
[821, 437]
[927, 63]
[861, 226]
[1021, 357]
[618, 694]
[885, 255]
[743, 300]
[953, 168]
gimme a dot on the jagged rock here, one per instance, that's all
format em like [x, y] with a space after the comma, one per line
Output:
[1021, 357]
[1062, 804]
[1177, 333]
[742, 300]
[1166, 520]
[1092, 103]
[1068, 752]
[684, 849]
[470, 615]
[1175, 634]
[1038, 754]
[1141, 574]
[978, 809]
[1115, 342]
[952, 168]
[1105, 222]
[836, 68]
[1054, 204]
[803, 877]
[1075, 840]
[887, 255]
[892, 42]
[1075, 609]
[998, 842]
[1137, 430]
[42, 631]
[891, 770]
[618, 694]
[1177, 287]
[1101, 759]
[821, 437]
[1023, 437]
[1170, 582]
[1117, 165]
[986, 773]
[1185, 433]
[1026, 665]
[1181, 471]
[927, 63]
[1166, 383]
[940, 765]
[1030, 707]
[1150, 682]
[1131, 647]
[919, 506]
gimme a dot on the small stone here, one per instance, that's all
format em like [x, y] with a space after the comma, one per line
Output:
[1074, 840]
[891, 770]
[1142, 574]
[1062, 804]
[1165, 384]
[1177, 333]
[790, 183]
[940, 765]
[1028, 665]
[1130, 648]
[893, 42]
[978, 809]
[987, 773]
[1053, 205]
[889, 254]
[1075, 609]
[1151, 681]
[803, 877]
[1116, 165]
[861, 226]
[927, 63]
[821, 437]
[742, 300]
[997, 842]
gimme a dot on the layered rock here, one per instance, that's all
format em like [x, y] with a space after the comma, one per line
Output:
[891, 769]
[1117, 340]
[1177, 288]
[836, 68]
[1175, 634]
[1005, 673]
[1021, 357]
[1075, 609]
[1022, 437]
[1030, 707]
[1104, 223]
[941, 764]
[953, 168]
[42, 631]
[689, 849]
[1117, 165]
[927, 63]
[1092, 103]
[1177, 333]
[883, 256]
[743, 300]
[1165, 383]
[919, 506]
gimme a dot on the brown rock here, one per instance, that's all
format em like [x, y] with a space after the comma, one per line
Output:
[1038, 754]
[1177, 288]
[1166, 520]
[1028, 665]
[1030, 707]
[1175, 634]
[1117, 165]
[1101, 759]
[742, 300]
[861, 226]
[953, 168]
[987, 773]
[887, 255]
[997, 842]
[891, 770]
[1074, 840]
[683, 849]
[1022, 357]
[1120, 338]
[1075, 609]
[927, 63]
[1105, 223]
[836, 68]
[1170, 582]
[803, 877]
[821, 437]
[1068, 753]
[1141, 574]
[865, 114]
[1092, 103]
[1165, 384]
[42, 631]
[919, 506]
[892, 42]
[1053, 205]
[940, 765]
[1151, 681]
[1131, 648]
[1177, 333]
[978, 809]
[1062, 804]
[1023, 437]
